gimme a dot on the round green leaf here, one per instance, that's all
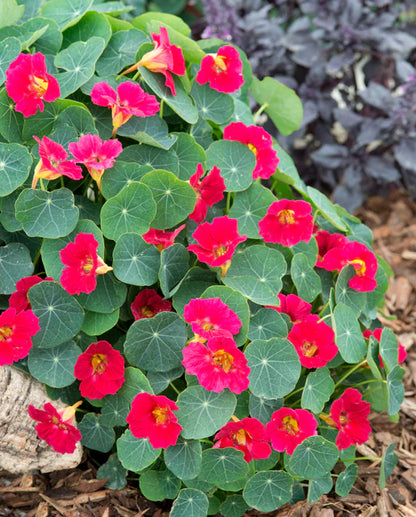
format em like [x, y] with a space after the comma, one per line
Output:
[201, 412]
[161, 380]
[263, 409]
[389, 349]
[249, 207]
[197, 280]
[121, 175]
[175, 199]
[189, 154]
[221, 466]
[354, 299]
[395, 389]
[91, 24]
[7, 212]
[275, 367]
[268, 490]
[388, 462]
[51, 40]
[96, 323]
[135, 454]
[65, 12]
[211, 104]
[314, 458]
[15, 263]
[130, 211]
[47, 214]
[308, 249]
[190, 502]
[184, 458]
[156, 343]
[134, 261]
[318, 487]
[54, 366]
[234, 506]
[202, 132]
[108, 296]
[174, 264]
[151, 157]
[11, 121]
[60, 315]
[44, 121]
[114, 471]
[77, 118]
[136, 382]
[15, 163]
[236, 162]
[265, 324]
[94, 435]
[148, 130]
[9, 50]
[306, 280]
[318, 388]
[256, 272]
[88, 209]
[348, 335]
[114, 411]
[158, 485]
[346, 480]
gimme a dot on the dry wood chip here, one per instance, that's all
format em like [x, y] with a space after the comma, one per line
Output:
[88, 485]
[42, 510]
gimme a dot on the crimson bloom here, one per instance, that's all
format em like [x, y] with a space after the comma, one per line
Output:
[55, 427]
[326, 241]
[376, 333]
[314, 342]
[100, 369]
[28, 84]
[349, 415]
[218, 365]
[165, 59]
[260, 142]
[289, 427]
[208, 191]
[151, 416]
[19, 299]
[247, 435]
[287, 222]
[82, 264]
[148, 303]
[296, 308]
[216, 242]
[161, 238]
[129, 99]
[16, 331]
[96, 155]
[53, 162]
[210, 317]
[223, 70]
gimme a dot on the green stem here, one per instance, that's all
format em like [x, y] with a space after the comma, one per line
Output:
[352, 370]
[174, 388]
[324, 318]
[260, 111]
[62, 182]
[323, 308]
[364, 458]
[136, 75]
[35, 260]
[42, 185]
[162, 102]
[315, 216]
[228, 203]
[370, 381]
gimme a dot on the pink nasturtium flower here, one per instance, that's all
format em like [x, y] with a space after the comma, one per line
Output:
[16, 332]
[210, 317]
[326, 241]
[247, 435]
[296, 308]
[53, 162]
[100, 369]
[55, 427]
[129, 100]
[289, 427]
[152, 417]
[259, 142]
[287, 222]
[28, 84]
[19, 299]
[148, 303]
[165, 58]
[208, 191]
[161, 238]
[218, 365]
[222, 71]
[216, 242]
[314, 342]
[376, 333]
[82, 264]
[96, 155]
[349, 414]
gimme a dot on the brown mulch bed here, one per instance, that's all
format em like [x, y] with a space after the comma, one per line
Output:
[76, 492]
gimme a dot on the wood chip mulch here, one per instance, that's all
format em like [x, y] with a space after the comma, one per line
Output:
[76, 492]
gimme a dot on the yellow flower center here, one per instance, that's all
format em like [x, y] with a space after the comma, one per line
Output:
[5, 332]
[220, 64]
[161, 415]
[222, 359]
[39, 85]
[147, 312]
[309, 349]
[290, 425]
[88, 265]
[99, 363]
[252, 148]
[241, 437]
[220, 251]
[286, 217]
[359, 266]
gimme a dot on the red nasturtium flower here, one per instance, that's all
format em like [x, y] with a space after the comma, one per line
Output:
[326, 241]
[161, 238]
[216, 242]
[223, 70]
[296, 308]
[53, 162]
[129, 99]
[260, 142]
[218, 365]
[314, 342]
[289, 427]
[151, 416]
[210, 317]
[55, 427]
[28, 84]
[16, 331]
[247, 435]
[349, 414]
[360, 257]
[165, 58]
[96, 155]
[287, 222]
[376, 333]
[100, 369]
[82, 264]
[19, 299]
[148, 303]
[208, 191]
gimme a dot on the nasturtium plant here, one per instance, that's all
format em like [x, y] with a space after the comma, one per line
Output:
[166, 267]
